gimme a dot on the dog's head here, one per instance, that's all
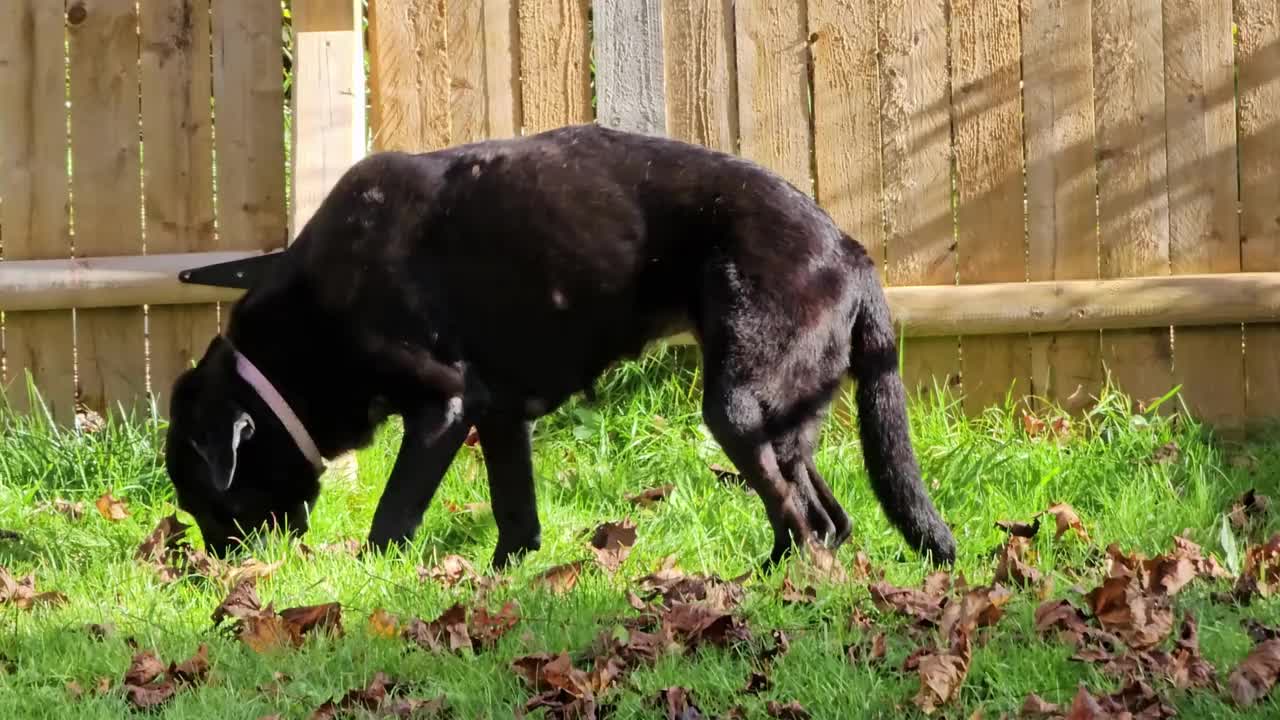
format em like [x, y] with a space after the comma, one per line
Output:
[233, 465]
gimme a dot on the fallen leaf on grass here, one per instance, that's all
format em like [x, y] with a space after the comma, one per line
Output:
[1164, 574]
[1020, 529]
[111, 508]
[1134, 700]
[71, 510]
[467, 508]
[193, 670]
[672, 585]
[1187, 668]
[376, 697]
[241, 602]
[870, 652]
[264, 629]
[167, 534]
[559, 579]
[383, 624]
[611, 542]
[250, 568]
[1166, 454]
[452, 631]
[650, 496]
[693, 624]
[1249, 508]
[100, 631]
[563, 690]
[977, 608]
[1066, 518]
[1013, 568]
[792, 595]
[452, 570]
[21, 592]
[1262, 565]
[728, 476]
[488, 627]
[149, 683]
[1121, 607]
[786, 711]
[918, 604]
[1255, 676]
[678, 704]
[942, 673]
[1037, 707]
[1259, 632]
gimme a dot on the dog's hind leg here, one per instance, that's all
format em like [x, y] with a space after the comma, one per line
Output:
[432, 436]
[826, 516]
[504, 438]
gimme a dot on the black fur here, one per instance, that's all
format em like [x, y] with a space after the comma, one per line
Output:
[511, 274]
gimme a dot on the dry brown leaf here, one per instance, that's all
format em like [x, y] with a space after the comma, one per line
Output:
[672, 585]
[383, 624]
[71, 510]
[1249, 508]
[111, 508]
[452, 570]
[866, 652]
[1122, 607]
[922, 606]
[564, 691]
[250, 568]
[240, 603]
[559, 579]
[1262, 566]
[1020, 529]
[1256, 675]
[1066, 518]
[449, 632]
[694, 623]
[792, 595]
[21, 592]
[164, 537]
[977, 608]
[193, 670]
[1013, 568]
[611, 542]
[487, 628]
[1187, 668]
[143, 668]
[651, 496]
[678, 704]
[941, 674]
[1037, 707]
[323, 617]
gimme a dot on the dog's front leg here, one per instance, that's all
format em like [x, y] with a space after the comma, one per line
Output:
[432, 436]
[504, 438]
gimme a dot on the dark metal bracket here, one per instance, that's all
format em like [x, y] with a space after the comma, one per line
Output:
[241, 274]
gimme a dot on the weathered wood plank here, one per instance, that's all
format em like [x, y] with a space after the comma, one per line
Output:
[468, 121]
[916, 167]
[700, 72]
[33, 185]
[409, 75]
[1259, 58]
[106, 193]
[629, 71]
[846, 96]
[502, 68]
[773, 81]
[1062, 214]
[328, 99]
[249, 126]
[555, 56]
[1204, 231]
[177, 172]
[1134, 207]
[987, 116]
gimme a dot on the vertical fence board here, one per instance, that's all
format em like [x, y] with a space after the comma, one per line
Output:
[1062, 215]
[249, 126]
[773, 82]
[1132, 167]
[177, 172]
[1259, 57]
[409, 75]
[466, 63]
[555, 54]
[502, 68]
[629, 74]
[700, 69]
[846, 91]
[106, 192]
[328, 99]
[34, 224]
[987, 117]
[1204, 231]
[916, 143]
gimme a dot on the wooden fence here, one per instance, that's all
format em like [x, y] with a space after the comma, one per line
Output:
[1009, 163]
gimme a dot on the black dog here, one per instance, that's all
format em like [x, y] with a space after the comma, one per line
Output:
[486, 283]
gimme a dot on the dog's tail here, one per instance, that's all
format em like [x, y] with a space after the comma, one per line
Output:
[882, 424]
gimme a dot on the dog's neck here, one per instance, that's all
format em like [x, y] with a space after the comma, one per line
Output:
[280, 407]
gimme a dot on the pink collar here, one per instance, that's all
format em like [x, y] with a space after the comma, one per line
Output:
[282, 411]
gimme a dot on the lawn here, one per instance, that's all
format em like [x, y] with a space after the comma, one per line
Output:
[1134, 479]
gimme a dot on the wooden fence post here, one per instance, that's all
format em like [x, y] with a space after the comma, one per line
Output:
[328, 114]
[629, 69]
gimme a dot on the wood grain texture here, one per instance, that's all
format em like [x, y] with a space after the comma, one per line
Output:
[328, 101]
[1259, 113]
[34, 222]
[916, 167]
[555, 56]
[987, 117]
[502, 68]
[409, 75]
[106, 193]
[629, 73]
[701, 74]
[177, 173]
[249, 126]
[467, 113]
[773, 81]
[1132, 168]
[1062, 215]
[1204, 231]
[846, 96]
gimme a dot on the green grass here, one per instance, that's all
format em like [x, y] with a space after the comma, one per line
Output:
[644, 430]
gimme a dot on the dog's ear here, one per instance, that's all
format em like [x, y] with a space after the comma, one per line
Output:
[219, 443]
